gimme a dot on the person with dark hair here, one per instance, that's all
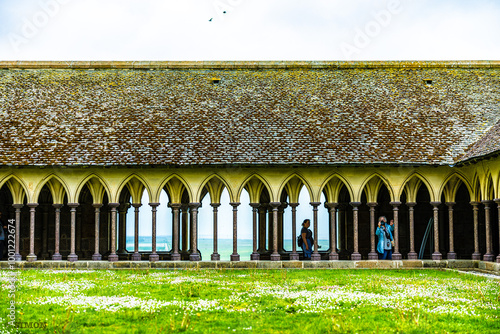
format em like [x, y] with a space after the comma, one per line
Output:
[2, 236]
[307, 239]
[384, 234]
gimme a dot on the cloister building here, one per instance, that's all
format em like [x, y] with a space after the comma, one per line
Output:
[82, 141]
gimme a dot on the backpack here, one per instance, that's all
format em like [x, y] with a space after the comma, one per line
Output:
[300, 242]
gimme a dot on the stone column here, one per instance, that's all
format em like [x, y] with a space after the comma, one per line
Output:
[153, 257]
[235, 256]
[136, 256]
[184, 228]
[412, 255]
[281, 211]
[497, 200]
[215, 255]
[436, 255]
[356, 256]
[451, 254]
[395, 209]
[72, 257]
[373, 252]
[194, 256]
[262, 228]
[113, 256]
[32, 257]
[97, 212]
[270, 227]
[275, 256]
[175, 256]
[294, 256]
[315, 256]
[57, 255]
[17, 256]
[475, 208]
[332, 209]
[489, 255]
[255, 256]
[122, 228]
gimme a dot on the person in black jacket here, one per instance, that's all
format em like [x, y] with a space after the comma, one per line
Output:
[307, 239]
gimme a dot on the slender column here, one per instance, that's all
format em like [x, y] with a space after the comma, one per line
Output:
[270, 227]
[112, 256]
[395, 209]
[184, 228]
[255, 255]
[97, 214]
[436, 255]
[235, 256]
[489, 255]
[136, 256]
[32, 257]
[373, 253]
[332, 209]
[315, 256]
[175, 256]
[262, 228]
[57, 256]
[451, 254]
[356, 256]
[475, 209]
[275, 256]
[17, 255]
[72, 257]
[215, 255]
[153, 257]
[122, 228]
[194, 256]
[281, 210]
[294, 256]
[412, 255]
[497, 200]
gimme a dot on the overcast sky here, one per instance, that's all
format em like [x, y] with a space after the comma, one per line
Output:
[250, 29]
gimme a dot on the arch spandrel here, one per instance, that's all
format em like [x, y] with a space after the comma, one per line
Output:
[215, 185]
[424, 180]
[247, 179]
[175, 185]
[97, 186]
[332, 186]
[115, 198]
[451, 184]
[57, 186]
[17, 188]
[293, 185]
[372, 185]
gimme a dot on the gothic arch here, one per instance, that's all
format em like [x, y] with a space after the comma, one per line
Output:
[383, 180]
[18, 195]
[343, 180]
[423, 180]
[304, 183]
[206, 182]
[460, 178]
[88, 178]
[124, 183]
[247, 179]
[166, 181]
[47, 180]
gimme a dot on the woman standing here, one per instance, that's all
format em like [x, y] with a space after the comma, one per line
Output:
[307, 239]
[384, 234]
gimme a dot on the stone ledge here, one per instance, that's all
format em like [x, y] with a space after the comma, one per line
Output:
[215, 65]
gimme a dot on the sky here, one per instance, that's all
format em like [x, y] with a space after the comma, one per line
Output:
[249, 30]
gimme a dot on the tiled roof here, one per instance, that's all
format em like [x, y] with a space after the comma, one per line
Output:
[152, 113]
[488, 144]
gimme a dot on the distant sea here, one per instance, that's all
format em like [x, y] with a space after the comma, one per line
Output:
[225, 246]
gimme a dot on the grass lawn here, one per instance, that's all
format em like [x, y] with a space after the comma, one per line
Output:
[259, 301]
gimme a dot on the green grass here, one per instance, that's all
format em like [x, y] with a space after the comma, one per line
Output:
[259, 301]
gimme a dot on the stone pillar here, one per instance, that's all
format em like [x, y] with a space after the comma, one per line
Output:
[184, 228]
[175, 256]
[412, 255]
[281, 211]
[489, 255]
[497, 200]
[32, 257]
[122, 228]
[451, 254]
[153, 257]
[262, 228]
[315, 256]
[194, 256]
[475, 208]
[356, 256]
[395, 209]
[275, 256]
[136, 256]
[294, 256]
[255, 256]
[270, 227]
[235, 256]
[436, 255]
[17, 255]
[97, 213]
[373, 252]
[215, 255]
[332, 209]
[72, 257]
[112, 256]
[57, 255]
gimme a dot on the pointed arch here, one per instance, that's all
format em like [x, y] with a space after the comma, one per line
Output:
[125, 182]
[17, 188]
[373, 186]
[450, 186]
[332, 187]
[57, 187]
[94, 180]
[489, 191]
[476, 187]
[215, 190]
[422, 179]
[176, 186]
[296, 188]
[247, 179]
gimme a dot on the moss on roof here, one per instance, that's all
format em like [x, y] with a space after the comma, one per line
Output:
[294, 115]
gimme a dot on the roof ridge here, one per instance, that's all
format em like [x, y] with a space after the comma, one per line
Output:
[246, 64]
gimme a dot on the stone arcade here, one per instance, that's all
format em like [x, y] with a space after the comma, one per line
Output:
[82, 141]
